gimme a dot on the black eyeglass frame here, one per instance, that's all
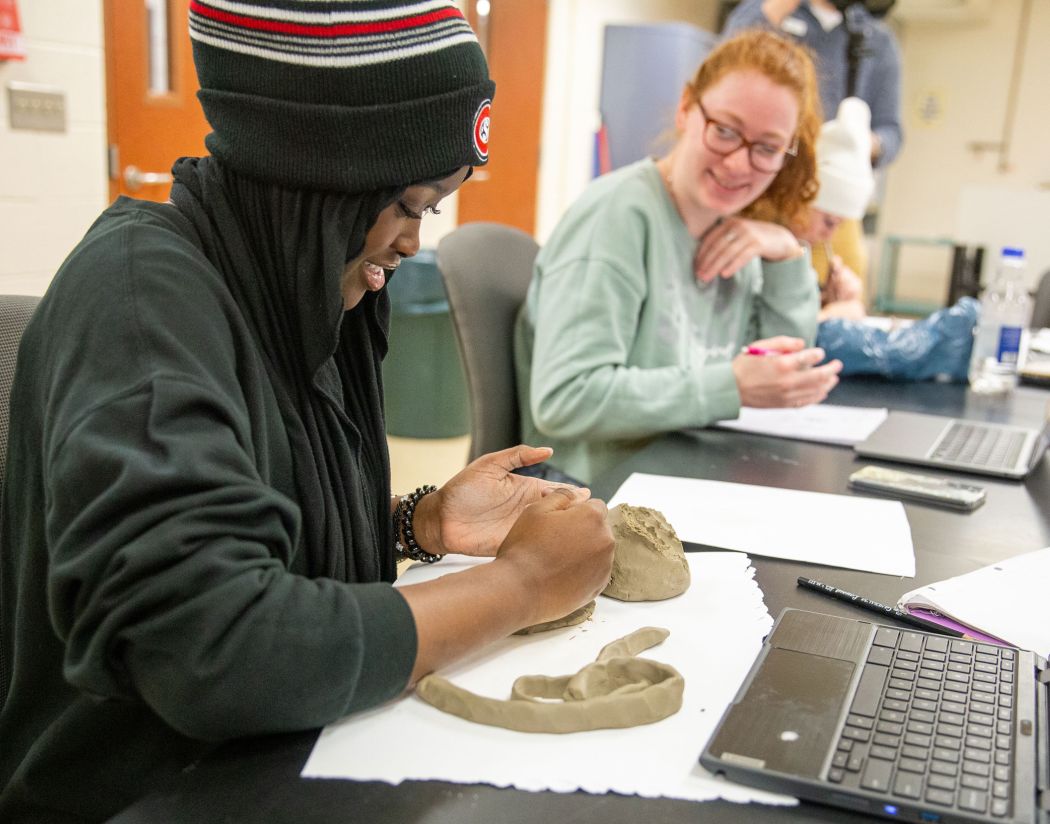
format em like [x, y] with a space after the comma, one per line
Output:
[790, 151]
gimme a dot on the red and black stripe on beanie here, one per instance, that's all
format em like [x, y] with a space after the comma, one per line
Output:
[351, 96]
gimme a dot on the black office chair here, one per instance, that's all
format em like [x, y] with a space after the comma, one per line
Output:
[15, 311]
[487, 268]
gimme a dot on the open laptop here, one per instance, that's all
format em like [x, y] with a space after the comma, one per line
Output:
[954, 443]
[898, 723]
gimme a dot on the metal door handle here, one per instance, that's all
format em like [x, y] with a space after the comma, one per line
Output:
[135, 178]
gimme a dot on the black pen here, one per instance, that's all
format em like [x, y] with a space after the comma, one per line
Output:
[874, 606]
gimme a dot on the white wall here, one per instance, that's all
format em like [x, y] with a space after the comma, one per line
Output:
[955, 81]
[572, 87]
[52, 184]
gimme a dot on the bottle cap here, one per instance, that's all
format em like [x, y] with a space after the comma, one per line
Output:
[1013, 252]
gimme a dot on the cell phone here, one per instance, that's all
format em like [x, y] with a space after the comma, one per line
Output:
[915, 487]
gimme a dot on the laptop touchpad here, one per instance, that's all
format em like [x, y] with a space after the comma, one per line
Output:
[788, 718]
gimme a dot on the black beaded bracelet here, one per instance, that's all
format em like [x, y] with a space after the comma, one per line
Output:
[404, 512]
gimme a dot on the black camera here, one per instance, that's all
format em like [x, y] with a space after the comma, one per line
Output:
[876, 8]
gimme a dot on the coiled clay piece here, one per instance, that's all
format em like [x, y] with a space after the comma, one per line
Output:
[649, 562]
[617, 690]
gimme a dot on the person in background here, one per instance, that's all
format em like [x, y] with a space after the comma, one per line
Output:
[825, 27]
[846, 186]
[935, 347]
[198, 533]
[653, 280]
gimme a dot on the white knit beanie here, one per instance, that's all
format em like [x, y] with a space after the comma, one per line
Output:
[844, 161]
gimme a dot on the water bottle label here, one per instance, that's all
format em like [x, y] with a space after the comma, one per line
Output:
[1009, 344]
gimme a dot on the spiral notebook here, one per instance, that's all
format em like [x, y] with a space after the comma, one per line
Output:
[1005, 600]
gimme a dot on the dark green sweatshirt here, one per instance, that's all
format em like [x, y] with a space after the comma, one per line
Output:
[152, 595]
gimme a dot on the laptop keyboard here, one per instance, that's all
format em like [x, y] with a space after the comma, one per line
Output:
[976, 445]
[932, 723]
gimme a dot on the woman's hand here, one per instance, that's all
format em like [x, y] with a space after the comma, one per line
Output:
[474, 511]
[790, 379]
[557, 557]
[842, 295]
[842, 282]
[563, 549]
[728, 246]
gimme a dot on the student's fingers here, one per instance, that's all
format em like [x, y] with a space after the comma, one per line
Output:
[780, 343]
[721, 249]
[808, 358]
[598, 505]
[814, 384]
[580, 493]
[555, 498]
[740, 254]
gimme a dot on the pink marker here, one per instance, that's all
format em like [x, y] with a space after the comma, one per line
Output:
[758, 350]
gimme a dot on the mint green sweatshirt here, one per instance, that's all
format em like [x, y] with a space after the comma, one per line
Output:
[618, 342]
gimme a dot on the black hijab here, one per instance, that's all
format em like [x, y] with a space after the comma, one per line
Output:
[282, 253]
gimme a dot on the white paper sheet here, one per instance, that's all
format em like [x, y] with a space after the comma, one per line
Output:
[717, 627]
[834, 530]
[1006, 600]
[821, 422]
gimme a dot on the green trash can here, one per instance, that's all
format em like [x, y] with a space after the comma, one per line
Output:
[426, 392]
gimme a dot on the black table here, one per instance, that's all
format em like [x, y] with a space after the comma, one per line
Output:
[257, 780]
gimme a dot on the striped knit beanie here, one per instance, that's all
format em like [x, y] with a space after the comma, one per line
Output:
[350, 95]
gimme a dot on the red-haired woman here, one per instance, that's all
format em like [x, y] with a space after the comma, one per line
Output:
[657, 276]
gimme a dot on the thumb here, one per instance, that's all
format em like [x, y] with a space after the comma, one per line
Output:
[520, 455]
[557, 497]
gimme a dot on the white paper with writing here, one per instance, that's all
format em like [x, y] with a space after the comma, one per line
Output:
[820, 422]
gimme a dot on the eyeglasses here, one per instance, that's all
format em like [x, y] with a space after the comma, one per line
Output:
[724, 140]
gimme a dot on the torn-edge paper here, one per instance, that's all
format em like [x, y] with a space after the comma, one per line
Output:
[717, 627]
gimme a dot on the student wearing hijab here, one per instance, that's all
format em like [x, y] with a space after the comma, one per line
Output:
[198, 534]
[656, 278]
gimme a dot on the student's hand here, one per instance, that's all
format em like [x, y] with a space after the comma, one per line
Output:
[727, 247]
[474, 511]
[842, 283]
[791, 379]
[561, 549]
[556, 557]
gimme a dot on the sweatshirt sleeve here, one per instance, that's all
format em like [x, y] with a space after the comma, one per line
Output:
[170, 583]
[789, 301]
[885, 98]
[586, 320]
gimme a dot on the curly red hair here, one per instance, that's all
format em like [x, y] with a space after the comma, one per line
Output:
[787, 198]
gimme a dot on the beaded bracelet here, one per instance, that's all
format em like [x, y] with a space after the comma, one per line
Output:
[404, 512]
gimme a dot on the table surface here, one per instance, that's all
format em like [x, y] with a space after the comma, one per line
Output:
[258, 779]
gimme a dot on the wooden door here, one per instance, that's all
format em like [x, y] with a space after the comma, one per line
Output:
[514, 36]
[152, 110]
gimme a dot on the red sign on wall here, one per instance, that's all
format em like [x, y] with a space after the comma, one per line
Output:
[12, 45]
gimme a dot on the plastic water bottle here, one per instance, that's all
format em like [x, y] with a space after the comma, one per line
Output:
[1005, 311]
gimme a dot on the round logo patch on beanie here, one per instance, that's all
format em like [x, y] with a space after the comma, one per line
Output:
[481, 129]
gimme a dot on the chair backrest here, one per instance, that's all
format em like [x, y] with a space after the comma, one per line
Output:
[15, 311]
[1041, 304]
[487, 268]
